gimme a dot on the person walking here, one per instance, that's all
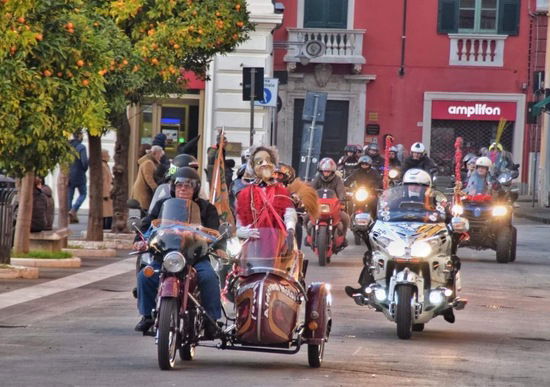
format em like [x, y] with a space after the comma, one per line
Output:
[107, 186]
[77, 176]
[145, 183]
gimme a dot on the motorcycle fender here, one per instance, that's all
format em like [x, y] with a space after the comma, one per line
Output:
[169, 287]
[318, 313]
[406, 277]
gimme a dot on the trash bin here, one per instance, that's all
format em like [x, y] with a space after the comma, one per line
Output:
[7, 194]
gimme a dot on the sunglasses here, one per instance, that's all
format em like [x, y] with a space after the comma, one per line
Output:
[186, 182]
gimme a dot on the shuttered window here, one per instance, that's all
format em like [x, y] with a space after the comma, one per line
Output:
[326, 14]
[479, 16]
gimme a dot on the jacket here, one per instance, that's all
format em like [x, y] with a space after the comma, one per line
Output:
[107, 186]
[145, 184]
[367, 178]
[39, 210]
[78, 168]
[424, 163]
[336, 184]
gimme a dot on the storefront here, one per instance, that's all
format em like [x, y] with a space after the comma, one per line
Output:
[475, 118]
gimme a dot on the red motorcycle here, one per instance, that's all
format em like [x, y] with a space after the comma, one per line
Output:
[326, 236]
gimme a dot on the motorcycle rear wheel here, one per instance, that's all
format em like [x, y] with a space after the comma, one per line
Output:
[168, 333]
[322, 242]
[504, 245]
[403, 317]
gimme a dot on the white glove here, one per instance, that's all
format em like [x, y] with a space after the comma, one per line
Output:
[245, 232]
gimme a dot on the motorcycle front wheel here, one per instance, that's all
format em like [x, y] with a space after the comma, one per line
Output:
[322, 242]
[403, 314]
[504, 245]
[168, 333]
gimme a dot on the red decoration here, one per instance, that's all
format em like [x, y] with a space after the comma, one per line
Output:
[458, 165]
[389, 142]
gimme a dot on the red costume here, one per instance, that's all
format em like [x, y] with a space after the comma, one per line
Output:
[263, 207]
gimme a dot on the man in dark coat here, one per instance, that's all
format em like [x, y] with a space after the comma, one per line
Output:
[77, 176]
[419, 160]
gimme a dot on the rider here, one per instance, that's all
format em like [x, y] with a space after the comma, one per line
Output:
[501, 159]
[348, 162]
[367, 177]
[185, 184]
[479, 182]
[373, 151]
[394, 162]
[418, 159]
[328, 179]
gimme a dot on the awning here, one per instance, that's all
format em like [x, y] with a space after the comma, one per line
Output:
[539, 106]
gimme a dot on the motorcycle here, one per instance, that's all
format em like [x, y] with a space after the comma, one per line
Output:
[268, 289]
[411, 275]
[362, 214]
[325, 236]
[394, 176]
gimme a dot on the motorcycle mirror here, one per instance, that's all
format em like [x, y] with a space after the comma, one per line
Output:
[133, 203]
[133, 223]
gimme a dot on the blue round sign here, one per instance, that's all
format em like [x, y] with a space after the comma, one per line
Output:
[267, 96]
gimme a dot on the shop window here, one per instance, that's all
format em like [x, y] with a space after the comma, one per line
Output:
[479, 16]
[326, 14]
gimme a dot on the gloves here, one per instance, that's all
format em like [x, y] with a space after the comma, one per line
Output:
[289, 242]
[245, 232]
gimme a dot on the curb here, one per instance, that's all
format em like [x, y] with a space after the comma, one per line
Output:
[92, 252]
[113, 237]
[14, 272]
[35, 262]
[111, 244]
[534, 218]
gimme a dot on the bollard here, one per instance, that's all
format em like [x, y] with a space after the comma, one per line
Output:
[7, 206]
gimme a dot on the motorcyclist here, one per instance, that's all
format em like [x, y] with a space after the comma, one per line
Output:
[373, 151]
[185, 184]
[328, 179]
[479, 182]
[348, 162]
[393, 159]
[368, 177]
[501, 159]
[418, 159]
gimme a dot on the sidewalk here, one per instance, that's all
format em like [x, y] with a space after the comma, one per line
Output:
[527, 211]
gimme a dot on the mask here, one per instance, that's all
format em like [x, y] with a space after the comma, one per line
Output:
[263, 165]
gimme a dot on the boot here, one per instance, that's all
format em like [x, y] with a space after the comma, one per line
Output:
[210, 330]
[144, 324]
[449, 316]
[355, 294]
[73, 218]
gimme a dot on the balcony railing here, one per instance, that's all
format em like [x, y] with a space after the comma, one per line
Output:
[342, 46]
[476, 50]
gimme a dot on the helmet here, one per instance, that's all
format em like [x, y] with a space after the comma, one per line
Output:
[418, 147]
[241, 171]
[468, 158]
[245, 155]
[393, 149]
[327, 164]
[358, 148]
[350, 148]
[496, 146]
[417, 176]
[365, 160]
[484, 162]
[372, 146]
[185, 160]
[186, 174]
[289, 174]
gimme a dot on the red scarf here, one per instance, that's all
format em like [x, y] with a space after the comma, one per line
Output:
[263, 207]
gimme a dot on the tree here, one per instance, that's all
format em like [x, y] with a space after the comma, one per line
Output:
[52, 62]
[166, 37]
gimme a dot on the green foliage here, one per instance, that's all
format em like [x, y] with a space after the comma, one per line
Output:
[43, 254]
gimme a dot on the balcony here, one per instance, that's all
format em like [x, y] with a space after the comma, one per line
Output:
[477, 50]
[342, 46]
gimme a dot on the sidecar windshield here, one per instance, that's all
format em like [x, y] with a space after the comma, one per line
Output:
[267, 254]
[410, 203]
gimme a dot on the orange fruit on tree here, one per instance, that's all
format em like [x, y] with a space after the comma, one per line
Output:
[155, 61]
[176, 46]
[39, 37]
[240, 24]
[47, 73]
[21, 19]
[80, 63]
[59, 74]
[237, 7]
[85, 82]
[69, 26]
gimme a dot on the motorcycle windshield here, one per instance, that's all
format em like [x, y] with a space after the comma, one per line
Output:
[326, 193]
[162, 191]
[266, 254]
[410, 203]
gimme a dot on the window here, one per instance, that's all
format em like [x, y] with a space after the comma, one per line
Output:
[479, 16]
[326, 14]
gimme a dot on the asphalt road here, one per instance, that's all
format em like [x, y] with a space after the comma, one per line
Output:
[85, 337]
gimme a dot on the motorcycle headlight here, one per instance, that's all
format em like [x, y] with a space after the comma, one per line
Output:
[421, 249]
[174, 262]
[380, 294]
[233, 247]
[457, 210]
[393, 173]
[396, 248]
[361, 195]
[499, 211]
[325, 208]
[436, 297]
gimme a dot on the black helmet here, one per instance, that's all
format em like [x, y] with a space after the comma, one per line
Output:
[372, 146]
[186, 174]
[241, 171]
[365, 160]
[185, 160]
[350, 148]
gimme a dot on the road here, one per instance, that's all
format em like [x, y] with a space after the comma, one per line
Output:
[84, 336]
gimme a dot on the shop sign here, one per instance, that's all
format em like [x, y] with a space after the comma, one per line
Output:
[473, 110]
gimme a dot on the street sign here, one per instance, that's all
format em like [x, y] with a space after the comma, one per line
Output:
[315, 103]
[257, 84]
[271, 86]
[310, 151]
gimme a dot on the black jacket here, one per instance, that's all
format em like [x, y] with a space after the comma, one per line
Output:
[424, 163]
[336, 184]
[369, 178]
[78, 168]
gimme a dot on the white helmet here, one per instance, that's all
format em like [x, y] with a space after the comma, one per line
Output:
[484, 162]
[417, 176]
[418, 147]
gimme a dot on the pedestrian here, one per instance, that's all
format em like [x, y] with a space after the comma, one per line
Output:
[145, 183]
[77, 176]
[107, 186]
[164, 165]
[42, 207]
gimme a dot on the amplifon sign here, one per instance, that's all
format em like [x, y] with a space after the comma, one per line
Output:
[473, 110]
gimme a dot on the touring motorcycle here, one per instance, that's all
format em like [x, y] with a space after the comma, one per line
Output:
[324, 234]
[273, 310]
[411, 274]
